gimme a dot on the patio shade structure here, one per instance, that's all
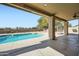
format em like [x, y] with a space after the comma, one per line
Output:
[62, 11]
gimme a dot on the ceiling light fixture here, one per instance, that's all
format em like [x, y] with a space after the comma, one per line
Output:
[45, 4]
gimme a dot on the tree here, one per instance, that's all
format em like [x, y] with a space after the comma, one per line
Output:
[42, 23]
[59, 25]
[69, 25]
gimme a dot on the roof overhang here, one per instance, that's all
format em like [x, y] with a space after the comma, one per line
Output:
[63, 11]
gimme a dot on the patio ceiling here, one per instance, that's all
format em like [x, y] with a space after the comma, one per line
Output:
[62, 10]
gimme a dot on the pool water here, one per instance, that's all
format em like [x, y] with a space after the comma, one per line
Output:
[17, 37]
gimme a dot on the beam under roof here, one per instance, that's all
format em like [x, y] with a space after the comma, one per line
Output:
[30, 8]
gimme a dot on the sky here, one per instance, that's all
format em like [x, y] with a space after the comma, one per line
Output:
[74, 22]
[12, 17]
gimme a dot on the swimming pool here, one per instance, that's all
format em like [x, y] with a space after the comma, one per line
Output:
[17, 37]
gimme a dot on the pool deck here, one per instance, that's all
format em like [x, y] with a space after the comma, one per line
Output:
[43, 46]
[34, 47]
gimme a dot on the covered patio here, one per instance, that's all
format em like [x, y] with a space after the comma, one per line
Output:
[67, 44]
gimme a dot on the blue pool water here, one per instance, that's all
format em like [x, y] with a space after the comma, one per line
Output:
[16, 37]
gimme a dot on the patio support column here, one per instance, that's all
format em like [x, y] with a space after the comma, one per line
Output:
[51, 27]
[66, 28]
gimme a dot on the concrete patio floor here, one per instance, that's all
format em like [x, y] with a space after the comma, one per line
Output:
[40, 49]
[67, 45]
[43, 52]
